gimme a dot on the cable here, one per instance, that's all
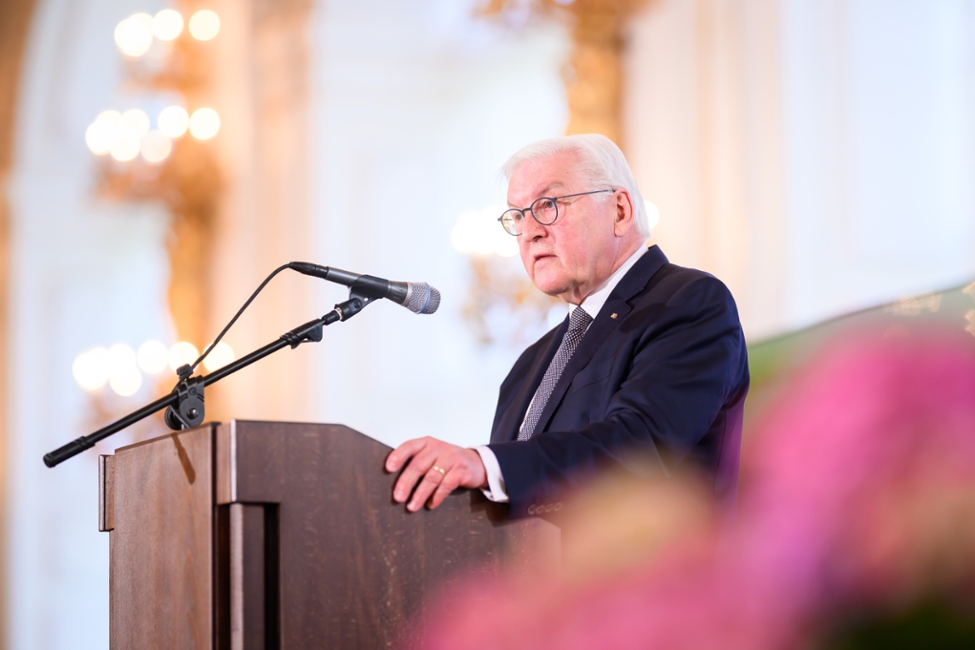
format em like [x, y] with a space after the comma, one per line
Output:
[236, 316]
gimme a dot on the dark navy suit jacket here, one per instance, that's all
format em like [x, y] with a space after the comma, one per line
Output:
[659, 380]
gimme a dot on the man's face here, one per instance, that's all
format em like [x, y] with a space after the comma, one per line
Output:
[573, 256]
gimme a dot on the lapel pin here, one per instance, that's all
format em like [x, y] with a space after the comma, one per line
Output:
[613, 315]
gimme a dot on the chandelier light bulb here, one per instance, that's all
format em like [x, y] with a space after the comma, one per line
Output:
[126, 147]
[112, 117]
[98, 138]
[133, 36]
[156, 147]
[173, 121]
[123, 374]
[167, 24]
[152, 357]
[136, 121]
[204, 25]
[103, 132]
[126, 384]
[219, 356]
[181, 354]
[204, 123]
[90, 369]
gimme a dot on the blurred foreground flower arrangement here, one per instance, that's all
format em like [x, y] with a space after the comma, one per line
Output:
[855, 529]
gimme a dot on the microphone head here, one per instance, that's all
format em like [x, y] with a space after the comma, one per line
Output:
[422, 298]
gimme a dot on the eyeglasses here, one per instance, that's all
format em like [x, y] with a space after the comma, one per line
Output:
[544, 210]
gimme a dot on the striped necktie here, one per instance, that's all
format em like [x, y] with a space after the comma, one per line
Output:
[579, 322]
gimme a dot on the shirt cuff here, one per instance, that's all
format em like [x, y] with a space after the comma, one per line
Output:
[495, 490]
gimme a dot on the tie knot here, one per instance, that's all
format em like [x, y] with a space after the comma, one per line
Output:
[579, 319]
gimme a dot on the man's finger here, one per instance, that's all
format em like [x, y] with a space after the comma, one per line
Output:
[430, 481]
[406, 481]
[415, 470]
[450, 483]
[399, 456]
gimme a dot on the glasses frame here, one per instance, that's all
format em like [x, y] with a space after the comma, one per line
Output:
[554, 199]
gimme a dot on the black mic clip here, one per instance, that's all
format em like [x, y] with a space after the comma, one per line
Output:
[188, 411]
[362, 292]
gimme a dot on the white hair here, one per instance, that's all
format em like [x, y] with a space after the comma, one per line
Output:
[601, 164]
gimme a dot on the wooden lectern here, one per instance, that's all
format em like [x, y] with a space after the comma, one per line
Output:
[281, 535]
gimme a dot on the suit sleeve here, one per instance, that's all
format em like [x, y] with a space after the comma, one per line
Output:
[683, 359]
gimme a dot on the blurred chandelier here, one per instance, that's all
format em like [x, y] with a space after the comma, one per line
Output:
[121, 367]
[126, 135]
[158, 146]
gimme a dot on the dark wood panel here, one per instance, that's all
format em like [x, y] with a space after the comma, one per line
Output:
[355, 567]
[161, 576]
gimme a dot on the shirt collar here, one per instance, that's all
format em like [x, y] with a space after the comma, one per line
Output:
[595, 301]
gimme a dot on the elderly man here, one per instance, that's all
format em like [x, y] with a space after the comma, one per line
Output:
[648, 370]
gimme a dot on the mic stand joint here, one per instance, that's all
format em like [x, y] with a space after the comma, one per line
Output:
[189, 410]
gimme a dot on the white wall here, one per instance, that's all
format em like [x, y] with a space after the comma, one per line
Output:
[816, 155]
[879, 102]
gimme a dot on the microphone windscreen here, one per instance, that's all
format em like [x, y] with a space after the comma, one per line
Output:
[423, 298]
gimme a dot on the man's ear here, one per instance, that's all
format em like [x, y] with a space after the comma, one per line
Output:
[623, 220]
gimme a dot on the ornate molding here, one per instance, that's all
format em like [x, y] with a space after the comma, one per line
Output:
[593, 76]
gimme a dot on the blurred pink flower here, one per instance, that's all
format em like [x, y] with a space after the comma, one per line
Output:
[857, 494]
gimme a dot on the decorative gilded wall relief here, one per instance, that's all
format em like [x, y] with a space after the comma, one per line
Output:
[593, 75]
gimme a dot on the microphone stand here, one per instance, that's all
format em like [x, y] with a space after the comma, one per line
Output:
[187, 396]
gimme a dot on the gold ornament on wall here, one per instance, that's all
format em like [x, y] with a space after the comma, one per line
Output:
[593, 76]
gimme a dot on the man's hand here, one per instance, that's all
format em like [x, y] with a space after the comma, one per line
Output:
[436, 468]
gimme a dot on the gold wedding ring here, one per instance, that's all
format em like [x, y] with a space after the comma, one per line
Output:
[440, 469]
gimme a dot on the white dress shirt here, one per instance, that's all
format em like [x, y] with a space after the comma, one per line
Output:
[592, 304]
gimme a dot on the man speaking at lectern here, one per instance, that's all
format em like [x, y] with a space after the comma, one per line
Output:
[650, 363]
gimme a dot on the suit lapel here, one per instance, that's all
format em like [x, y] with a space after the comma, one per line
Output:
[631, 284]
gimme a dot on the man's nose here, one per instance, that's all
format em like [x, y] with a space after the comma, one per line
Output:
[531, 229]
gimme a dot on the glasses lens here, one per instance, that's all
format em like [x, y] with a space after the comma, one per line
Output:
[545, 211]
[511, 220]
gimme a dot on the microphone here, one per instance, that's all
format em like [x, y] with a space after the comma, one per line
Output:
[418, 297]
